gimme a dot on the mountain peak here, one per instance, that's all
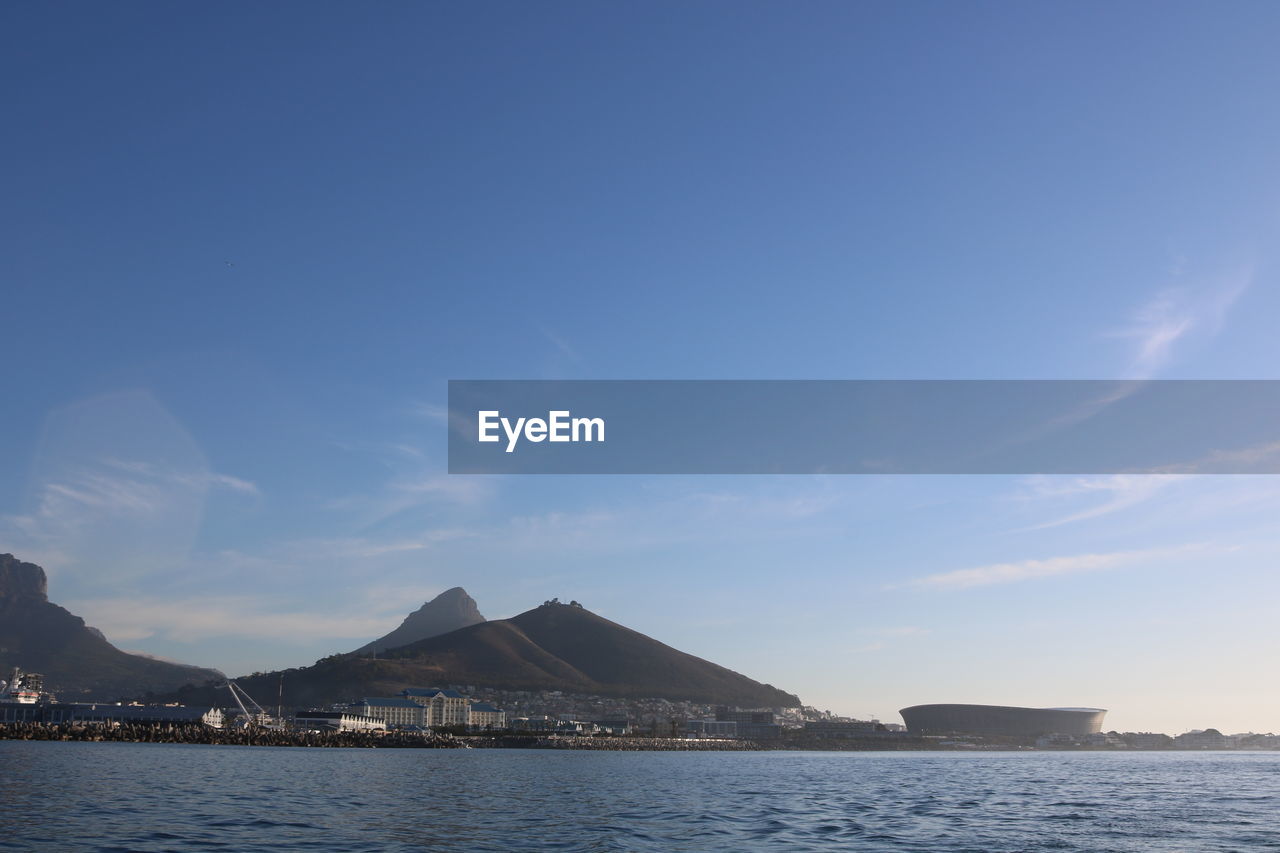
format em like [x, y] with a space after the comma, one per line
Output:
[555, 602]
[38, 635]
[564, 646]
[20, 580]
[448, 611]
[554, 646]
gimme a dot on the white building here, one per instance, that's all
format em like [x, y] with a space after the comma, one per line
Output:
[342, 721]
[482, 715]
[395, 711]
[444, 707]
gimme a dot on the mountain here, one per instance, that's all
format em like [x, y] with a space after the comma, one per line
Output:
[448, 611]
[566, 647]
[76, 660]
[552, 647]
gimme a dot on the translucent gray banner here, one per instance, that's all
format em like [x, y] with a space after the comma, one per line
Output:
[864, 427]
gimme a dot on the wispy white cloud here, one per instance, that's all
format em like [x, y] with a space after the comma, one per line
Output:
[1118, 492]
[119, 486]
[407, 478]
[1158, 325]
[197, 619]
[812, 501]
[114, 517]
[437, 414]
[150, 472]
[1158, 328]
[235, 484]
[92, 490]
[304, 551]
[454, 488]
[1174, 315]
[1024, 570]
[429, 411]
[409, 492]
[1259, 459]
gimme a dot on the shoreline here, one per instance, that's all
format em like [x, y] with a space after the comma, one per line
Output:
[204, 735]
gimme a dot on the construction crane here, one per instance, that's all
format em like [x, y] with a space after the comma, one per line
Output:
[258, 716]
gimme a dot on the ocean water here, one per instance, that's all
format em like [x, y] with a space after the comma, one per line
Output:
[153, 797]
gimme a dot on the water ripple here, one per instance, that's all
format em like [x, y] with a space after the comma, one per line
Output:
[169, 797]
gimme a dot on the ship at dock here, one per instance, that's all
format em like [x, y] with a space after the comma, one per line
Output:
[23, 688]
[23, 701]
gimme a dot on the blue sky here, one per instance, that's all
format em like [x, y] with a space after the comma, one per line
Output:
[246, 246]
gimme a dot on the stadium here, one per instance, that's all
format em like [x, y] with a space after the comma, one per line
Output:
[1001, 720]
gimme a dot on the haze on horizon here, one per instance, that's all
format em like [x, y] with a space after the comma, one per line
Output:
[247, 246]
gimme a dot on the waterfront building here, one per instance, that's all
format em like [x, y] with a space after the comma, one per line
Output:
[342, 721]
[844, 729]
[446, 707]
[711, 728]
[738, 715]
[395, 711]
[552, 725]
[108, 713]
[434, 707]
[574, 727]
[539, 723]
[613, 727]
[482, 715]
[752, 725]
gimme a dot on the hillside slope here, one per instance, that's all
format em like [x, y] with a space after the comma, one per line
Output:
[76, 660]
[552, 647]
[564, 647]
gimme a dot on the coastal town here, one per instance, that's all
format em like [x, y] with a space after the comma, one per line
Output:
[448, 677]
[465, 716]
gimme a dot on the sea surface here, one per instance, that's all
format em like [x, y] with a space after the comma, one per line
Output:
[152, 797]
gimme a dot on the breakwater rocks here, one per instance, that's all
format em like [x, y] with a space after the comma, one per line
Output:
[617, 744]
[177, 733]
[201, 734]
